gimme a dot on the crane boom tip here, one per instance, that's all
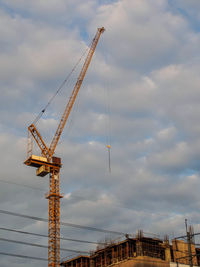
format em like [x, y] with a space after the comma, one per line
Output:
[102, 29]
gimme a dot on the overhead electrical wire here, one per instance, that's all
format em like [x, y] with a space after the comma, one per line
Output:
[41, 235]
[23, 256]
[78, 197]
[82, 198]
[65, 199]
[40, 246]
[28, 186]
[62, 223]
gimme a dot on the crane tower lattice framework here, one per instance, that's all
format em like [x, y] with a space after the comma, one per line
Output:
[47, 163]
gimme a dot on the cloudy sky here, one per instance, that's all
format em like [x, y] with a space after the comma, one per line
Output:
[141, 95]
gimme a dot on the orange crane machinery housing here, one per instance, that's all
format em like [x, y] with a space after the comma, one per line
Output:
[48, 164]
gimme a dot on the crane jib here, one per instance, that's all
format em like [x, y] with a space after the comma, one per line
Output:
[75, 91]
[49, 152]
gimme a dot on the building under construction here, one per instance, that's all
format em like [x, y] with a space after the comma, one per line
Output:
[140, 251]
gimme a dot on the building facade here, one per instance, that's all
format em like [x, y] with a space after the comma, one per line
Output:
[139, 252]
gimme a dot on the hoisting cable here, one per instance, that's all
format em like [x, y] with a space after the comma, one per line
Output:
[108, 126]
[106, 84]
[59, 88]
[109, 163]
[109, 131]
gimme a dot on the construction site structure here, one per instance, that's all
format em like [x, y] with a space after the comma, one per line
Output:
[47, 163]
[140, 251]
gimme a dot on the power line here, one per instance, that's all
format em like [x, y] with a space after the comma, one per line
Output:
[78, 197]
[83, 198]
[183, 236]
[28, 186]
[41, 235]
[40, 246]
[62, 223]
[23, 256]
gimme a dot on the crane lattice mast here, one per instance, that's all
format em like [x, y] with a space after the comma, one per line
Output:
[48, 164]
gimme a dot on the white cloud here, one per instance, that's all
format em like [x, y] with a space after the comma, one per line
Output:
[144, 70]
[167, 133]
[144, 31]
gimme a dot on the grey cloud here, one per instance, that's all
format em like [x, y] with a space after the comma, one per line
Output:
[136, 44]
[153, 96]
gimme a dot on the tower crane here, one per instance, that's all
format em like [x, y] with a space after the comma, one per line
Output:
[47, 163]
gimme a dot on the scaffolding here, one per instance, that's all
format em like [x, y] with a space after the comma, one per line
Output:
[138, 249]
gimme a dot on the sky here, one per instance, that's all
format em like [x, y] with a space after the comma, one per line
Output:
[140, 95]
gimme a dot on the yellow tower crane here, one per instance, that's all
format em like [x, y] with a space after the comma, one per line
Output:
[48, 164]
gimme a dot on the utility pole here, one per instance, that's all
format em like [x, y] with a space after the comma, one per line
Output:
[189, 244]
